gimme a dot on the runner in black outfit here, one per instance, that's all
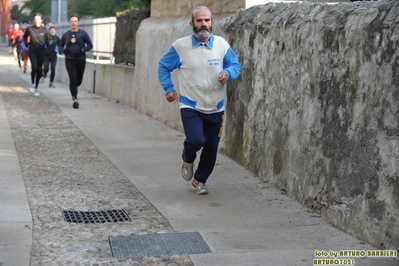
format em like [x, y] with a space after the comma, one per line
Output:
[50, 57]
[37, 38]
[77, 42]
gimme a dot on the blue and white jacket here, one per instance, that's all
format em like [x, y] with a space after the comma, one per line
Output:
[199, 65]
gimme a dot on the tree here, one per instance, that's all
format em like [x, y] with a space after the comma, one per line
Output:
[84, 8]
[19, 14]
[39, 6]
[106, 8]
[89, 8]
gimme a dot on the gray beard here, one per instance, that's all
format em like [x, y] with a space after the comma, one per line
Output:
[202, 35]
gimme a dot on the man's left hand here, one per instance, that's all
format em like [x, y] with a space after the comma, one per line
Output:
[223, 77]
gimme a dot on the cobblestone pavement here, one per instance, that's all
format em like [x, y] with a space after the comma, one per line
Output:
[64, 170]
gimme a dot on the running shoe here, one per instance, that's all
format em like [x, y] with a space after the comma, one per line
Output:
[75, 104]
[200, 188]
[187, 171]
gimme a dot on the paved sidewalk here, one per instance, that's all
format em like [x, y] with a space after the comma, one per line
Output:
[105, 155]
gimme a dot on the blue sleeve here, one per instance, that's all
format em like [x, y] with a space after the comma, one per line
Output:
[57, 43]
[168, 62]
[231, 65]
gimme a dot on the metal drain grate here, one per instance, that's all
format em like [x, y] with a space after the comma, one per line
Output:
[110, 216]
[158, 245]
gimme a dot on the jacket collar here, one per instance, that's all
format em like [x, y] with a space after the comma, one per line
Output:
[209, 43]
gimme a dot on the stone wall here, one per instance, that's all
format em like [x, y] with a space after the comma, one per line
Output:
[172, 8]
[125, 37]
[314, 111]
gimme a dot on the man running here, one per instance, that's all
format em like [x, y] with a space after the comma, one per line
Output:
[205, 63]
[74, 44]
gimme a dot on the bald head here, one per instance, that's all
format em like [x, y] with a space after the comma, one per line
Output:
[198, 9]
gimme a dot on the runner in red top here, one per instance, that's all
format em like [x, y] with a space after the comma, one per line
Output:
[11, 38]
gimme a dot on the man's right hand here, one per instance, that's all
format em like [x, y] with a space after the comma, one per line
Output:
[172, 96]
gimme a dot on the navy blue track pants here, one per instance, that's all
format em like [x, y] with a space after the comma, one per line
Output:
[202, 131]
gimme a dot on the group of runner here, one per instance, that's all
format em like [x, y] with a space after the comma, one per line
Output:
[41, 46]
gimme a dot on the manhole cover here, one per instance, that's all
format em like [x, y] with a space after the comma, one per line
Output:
[158, 245]
[85, 217]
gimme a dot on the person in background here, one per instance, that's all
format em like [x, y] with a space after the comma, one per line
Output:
[205, 63]
[50, 56]
[74, 44]
[37, 37]
[11, 38]
[25, 54]
[20, 45]
[14, 44]
[17, 45]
